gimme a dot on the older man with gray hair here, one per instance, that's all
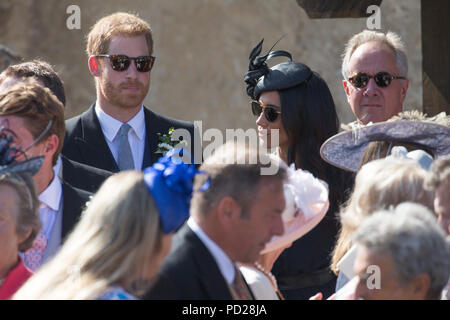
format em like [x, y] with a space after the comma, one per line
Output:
[375, 70]
[406, 250]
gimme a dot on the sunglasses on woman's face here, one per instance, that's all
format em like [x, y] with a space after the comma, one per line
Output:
[270, 112]
[120, 62]
[382, 79]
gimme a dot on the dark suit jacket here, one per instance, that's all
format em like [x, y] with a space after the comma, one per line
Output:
[82, 176]
[74, 201]
[189, 272]
[85, 142]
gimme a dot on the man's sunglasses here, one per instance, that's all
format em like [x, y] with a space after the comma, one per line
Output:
[120, 62]
[270, 112]
[382, 79]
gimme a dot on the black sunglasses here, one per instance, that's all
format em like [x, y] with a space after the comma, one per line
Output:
[270, 112]
[382, 79]
[120, 62]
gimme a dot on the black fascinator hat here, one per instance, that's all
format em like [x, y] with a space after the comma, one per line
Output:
[261, 78]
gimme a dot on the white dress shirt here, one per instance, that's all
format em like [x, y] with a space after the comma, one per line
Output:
[136, 136]
[50, 200]
[225, 264]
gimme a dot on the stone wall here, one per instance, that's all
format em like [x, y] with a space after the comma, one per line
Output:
[202, 49]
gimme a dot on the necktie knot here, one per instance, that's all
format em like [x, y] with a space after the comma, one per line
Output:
[123, 131]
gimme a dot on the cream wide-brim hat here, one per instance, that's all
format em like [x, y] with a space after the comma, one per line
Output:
[311, 199]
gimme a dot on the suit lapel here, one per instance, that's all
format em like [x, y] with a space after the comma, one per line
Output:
[73, 203]
[92, 144]
[207, 269]
[151, 138]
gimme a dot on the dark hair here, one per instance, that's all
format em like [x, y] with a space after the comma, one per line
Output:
[41, 70]
[309, 118]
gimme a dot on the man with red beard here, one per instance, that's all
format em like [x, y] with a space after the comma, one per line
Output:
[117, 132]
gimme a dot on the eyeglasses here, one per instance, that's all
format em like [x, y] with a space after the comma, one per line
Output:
[382, 79]
[120, 62]
[270, 112]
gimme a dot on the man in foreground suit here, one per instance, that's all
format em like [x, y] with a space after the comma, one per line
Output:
[231, 221]
[117, 132]
[35, 118]
[74, 173]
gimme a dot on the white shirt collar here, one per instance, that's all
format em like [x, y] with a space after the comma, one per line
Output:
[51, 196]
[111, 126]
[225, 264]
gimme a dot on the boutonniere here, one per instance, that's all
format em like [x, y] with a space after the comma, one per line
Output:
[166, 143]
[86, 205]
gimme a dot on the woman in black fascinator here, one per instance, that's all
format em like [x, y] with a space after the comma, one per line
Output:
[295, 100]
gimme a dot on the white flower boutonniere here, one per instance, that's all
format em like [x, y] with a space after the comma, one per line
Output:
[86, 205]
[166, 143]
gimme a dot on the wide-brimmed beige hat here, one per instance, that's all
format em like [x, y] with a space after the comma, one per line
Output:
[306, 204]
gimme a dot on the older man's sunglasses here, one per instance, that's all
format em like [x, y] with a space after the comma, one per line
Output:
[382, 79]
[120, 62]
[270, 112]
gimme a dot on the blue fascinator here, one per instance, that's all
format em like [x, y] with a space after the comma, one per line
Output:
[170, 183]
[9, 153]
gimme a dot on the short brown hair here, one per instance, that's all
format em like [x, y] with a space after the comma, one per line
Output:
[28, 205]
[37, 105]
[119, 23]
[41, 70]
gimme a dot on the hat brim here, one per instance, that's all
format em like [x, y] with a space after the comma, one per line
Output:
[283, 76]
[346, 149]
[297, 228]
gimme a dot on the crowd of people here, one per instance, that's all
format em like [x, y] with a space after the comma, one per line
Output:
[91, 209]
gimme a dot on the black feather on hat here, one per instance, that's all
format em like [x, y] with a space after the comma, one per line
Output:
[261, 78]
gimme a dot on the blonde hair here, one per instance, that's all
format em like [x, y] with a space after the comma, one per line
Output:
[117, 24]
[115, 243]
[390, 39]
[27, 217]
[379, 185]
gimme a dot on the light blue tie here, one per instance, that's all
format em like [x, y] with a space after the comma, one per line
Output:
[125, 157]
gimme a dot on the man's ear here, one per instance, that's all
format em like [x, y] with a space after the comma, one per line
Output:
[51, 145]
[404, 90]
[346, 88]
[421, 286]
[228, 210]
[94, 66]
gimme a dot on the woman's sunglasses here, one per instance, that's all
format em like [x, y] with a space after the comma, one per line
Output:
[270, 112]
[120, 62]
[382, 79]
